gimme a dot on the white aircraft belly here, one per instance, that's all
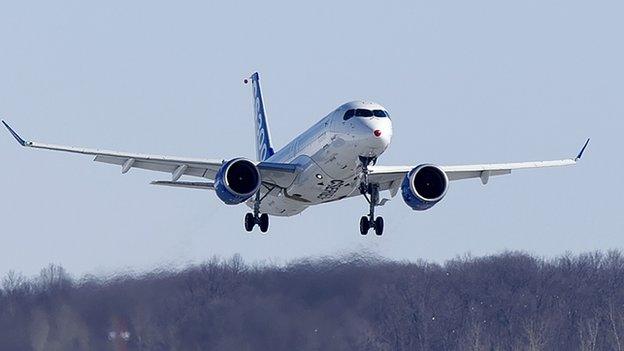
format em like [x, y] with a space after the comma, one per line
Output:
[328, 171]
[276, 203]
[337, 157]
[313, 185]
[280, 205]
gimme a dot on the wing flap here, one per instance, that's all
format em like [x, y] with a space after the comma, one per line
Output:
[192, 168]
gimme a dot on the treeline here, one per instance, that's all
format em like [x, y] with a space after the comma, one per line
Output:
[510, 301]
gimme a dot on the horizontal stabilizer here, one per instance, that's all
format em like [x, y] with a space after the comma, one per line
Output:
[191, 185]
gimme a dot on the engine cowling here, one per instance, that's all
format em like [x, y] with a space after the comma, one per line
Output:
[236, 181]
[424, 186]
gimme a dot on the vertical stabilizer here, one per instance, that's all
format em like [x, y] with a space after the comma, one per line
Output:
[264, 149]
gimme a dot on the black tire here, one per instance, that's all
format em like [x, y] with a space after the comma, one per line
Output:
[249, 222]
[364, 225]
[264, 222]
[379, 225]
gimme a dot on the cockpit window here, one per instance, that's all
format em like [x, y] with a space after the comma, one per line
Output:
[380, 113]
[360, 112]
[348, 114]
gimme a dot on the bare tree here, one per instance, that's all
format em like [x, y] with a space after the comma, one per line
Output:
[509, 301]
[588, 329]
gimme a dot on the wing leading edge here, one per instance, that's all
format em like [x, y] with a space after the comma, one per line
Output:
[390, 177]
[273, 173]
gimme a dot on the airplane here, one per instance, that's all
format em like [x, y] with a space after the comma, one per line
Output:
[334, 159]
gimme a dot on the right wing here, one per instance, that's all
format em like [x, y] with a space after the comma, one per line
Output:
[277, 174]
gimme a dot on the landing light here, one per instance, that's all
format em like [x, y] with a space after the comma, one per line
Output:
[377, 132]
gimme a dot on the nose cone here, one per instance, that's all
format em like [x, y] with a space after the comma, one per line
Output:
[375, 134]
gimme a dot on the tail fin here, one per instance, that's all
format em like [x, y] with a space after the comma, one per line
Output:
[264, 149]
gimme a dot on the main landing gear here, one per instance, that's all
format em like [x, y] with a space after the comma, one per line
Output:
[251, 219]
[262, 221]
[371, 194]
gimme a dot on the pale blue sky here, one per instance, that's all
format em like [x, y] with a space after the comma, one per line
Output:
[465, 82]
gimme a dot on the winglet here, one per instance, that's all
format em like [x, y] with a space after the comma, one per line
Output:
[580, 154]
[15, 135]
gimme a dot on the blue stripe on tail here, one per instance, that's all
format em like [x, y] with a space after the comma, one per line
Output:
[264, 149]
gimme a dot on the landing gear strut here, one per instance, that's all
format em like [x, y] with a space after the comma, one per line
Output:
[368, 222]
[251, 219]
[371, 194]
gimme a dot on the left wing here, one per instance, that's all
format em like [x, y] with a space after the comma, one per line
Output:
[391, 177]
[191, 185]
[277, 174]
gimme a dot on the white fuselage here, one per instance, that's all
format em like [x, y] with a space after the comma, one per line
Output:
[327, 156]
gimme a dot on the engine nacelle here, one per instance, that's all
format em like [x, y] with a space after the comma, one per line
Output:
[236, 181]
[424, 186]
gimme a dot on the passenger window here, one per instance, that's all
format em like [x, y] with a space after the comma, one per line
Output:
[363, 113]
[348, 114]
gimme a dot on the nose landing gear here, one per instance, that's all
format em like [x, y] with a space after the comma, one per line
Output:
[251, 219]
[370, 191]
[368, 222]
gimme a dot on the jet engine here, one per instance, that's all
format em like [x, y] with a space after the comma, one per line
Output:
[236, 181]
[424, 186]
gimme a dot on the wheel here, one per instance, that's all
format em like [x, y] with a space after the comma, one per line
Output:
[364, 225]
[379, 224]
[249, 222]
[264, 222]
